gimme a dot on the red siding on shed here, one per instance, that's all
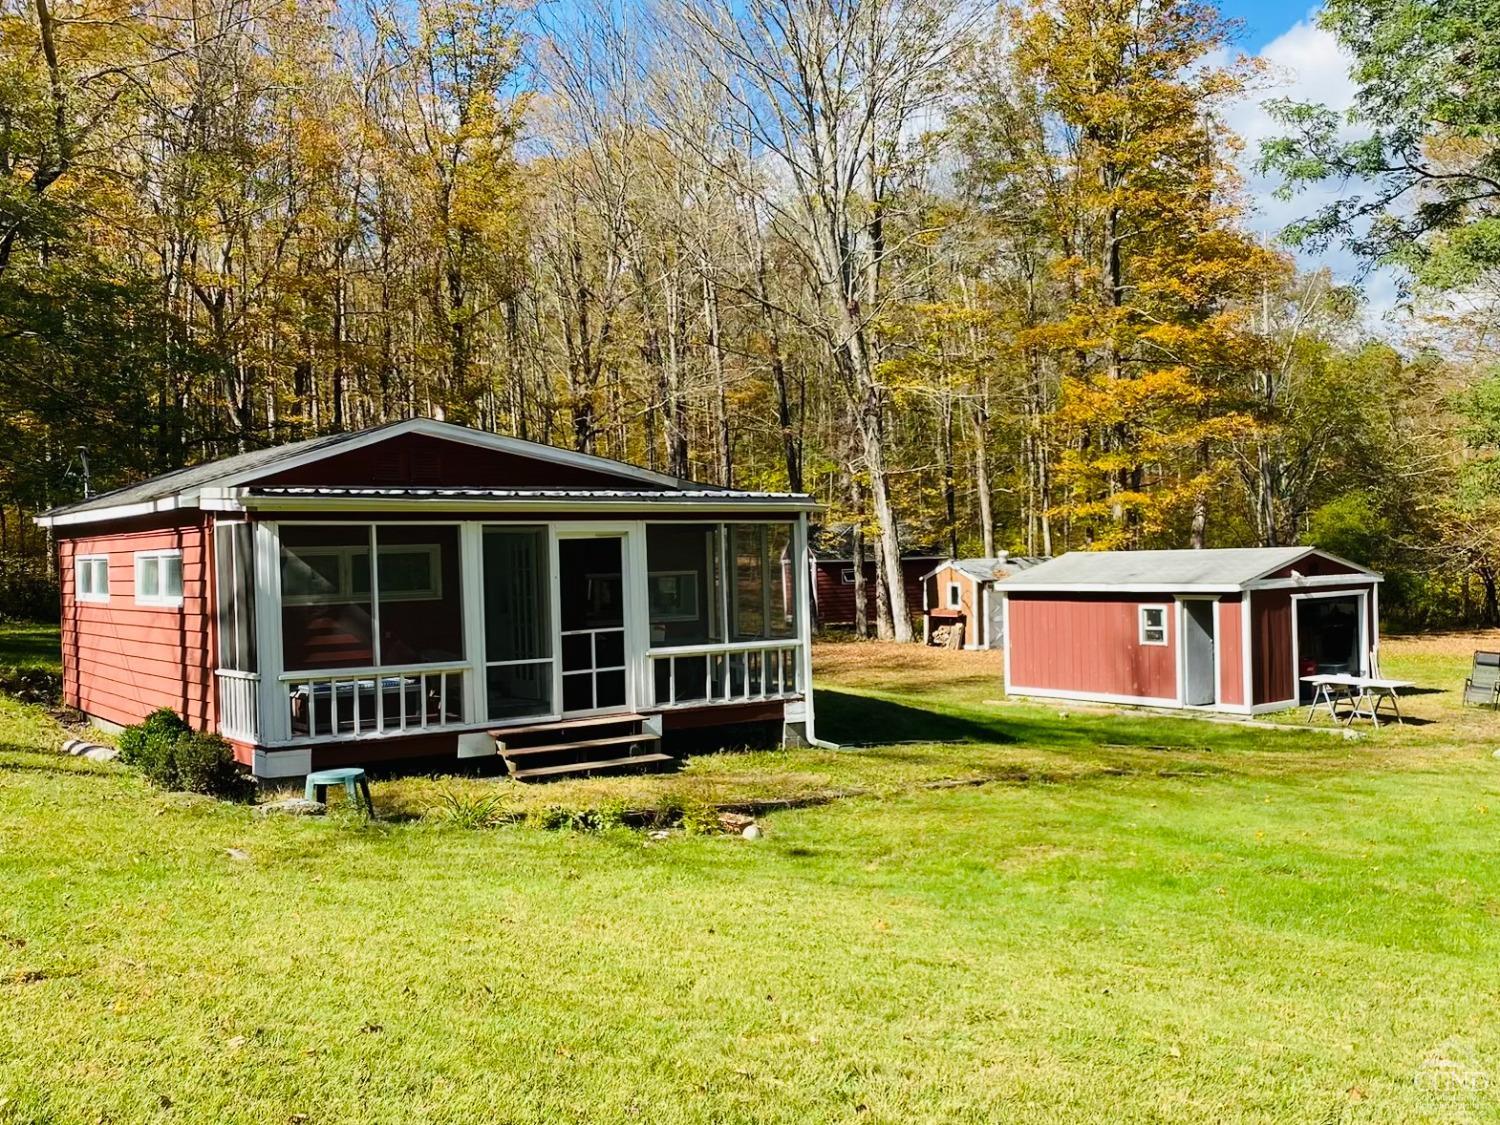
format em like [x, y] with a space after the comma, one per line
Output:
[1231, 649]
[121, 661]
[1089, 644]
[1271, 646]
[416, 459]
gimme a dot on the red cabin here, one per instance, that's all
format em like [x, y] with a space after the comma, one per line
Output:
[426, 590]
[1229, 630]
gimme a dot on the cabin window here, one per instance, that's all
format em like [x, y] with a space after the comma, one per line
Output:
[158, 578]
[1153, 624]
[91, 578]
[955, 596]
[846, 576]
[702, 576]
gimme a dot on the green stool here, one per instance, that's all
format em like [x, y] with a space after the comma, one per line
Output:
[352, 779]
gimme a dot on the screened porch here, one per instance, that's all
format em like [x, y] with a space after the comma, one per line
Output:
[379, 628]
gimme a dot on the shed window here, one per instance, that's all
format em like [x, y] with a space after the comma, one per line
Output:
[955, 596]
[1153, 624]
[846, 576]
[158, 578]
[91, 575]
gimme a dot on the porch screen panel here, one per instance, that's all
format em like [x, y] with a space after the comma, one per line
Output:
[763, 601]
[420, 595]
[685, 599]
[234, 588]
[326, 613]
[517, 632]
[747, 548]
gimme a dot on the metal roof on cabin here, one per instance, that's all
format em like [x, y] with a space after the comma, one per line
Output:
[1231, 566]
[399, 492]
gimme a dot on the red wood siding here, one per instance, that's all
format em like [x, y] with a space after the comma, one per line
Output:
[1271, 646]
[121, 661]
[835, 597]
[1090, 644]
[416, 459]
[1230, 645]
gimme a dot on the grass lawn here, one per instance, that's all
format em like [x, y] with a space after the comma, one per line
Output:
[1083, 918]
[30, 646]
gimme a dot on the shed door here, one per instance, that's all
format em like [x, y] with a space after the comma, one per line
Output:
[1199, 687]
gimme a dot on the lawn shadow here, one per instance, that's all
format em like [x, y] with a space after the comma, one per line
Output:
[850, 719]
[854, 719]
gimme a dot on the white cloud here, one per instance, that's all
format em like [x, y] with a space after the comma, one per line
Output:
[1304, 63]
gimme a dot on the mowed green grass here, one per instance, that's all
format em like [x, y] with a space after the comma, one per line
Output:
[1090, 918]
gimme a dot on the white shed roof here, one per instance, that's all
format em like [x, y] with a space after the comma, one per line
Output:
[1223, 569]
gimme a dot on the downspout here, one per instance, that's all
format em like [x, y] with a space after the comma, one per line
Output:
[804, 632]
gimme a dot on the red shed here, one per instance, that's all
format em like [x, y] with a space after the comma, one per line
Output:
[1228, 630]
[422, 590]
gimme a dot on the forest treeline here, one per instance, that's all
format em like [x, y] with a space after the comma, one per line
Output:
[977, 278]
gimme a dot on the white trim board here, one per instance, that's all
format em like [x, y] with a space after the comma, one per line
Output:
[1097, 697]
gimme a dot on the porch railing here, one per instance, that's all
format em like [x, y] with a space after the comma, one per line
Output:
[370, 701]
[239, 704]
[748, 671]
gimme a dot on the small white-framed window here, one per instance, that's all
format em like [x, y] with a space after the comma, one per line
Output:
[158, 578]
[1153, 624]
[91, 578]
[846, 576]
[955, 596]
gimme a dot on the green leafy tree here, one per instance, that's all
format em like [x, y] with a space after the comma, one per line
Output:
[1426, 140]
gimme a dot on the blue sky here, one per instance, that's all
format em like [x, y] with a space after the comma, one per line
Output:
[1266, 20]
[1305, 63]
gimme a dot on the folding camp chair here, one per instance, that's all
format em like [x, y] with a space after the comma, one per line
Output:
[1483, 685]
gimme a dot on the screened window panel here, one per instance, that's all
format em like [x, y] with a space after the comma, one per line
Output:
[420, 594]
[234, 583]
[326, 622]
[684, 583]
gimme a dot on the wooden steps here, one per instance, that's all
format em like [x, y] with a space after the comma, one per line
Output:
[583, 744]
[528, 752]
[583, 767]
[621, 719]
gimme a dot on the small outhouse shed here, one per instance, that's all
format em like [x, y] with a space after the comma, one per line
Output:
[1229, 630]
[959, 603]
